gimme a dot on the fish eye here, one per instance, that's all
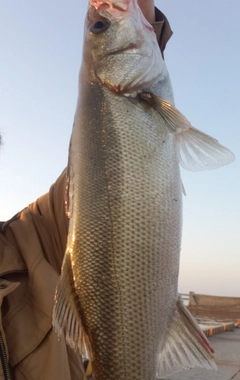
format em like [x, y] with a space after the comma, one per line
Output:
[99, 26]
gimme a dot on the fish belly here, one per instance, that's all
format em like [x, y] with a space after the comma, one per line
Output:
[126, 232]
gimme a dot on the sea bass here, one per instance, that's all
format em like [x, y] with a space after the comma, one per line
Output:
[117, 298]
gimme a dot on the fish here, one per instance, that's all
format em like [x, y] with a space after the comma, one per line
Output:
[117, 299]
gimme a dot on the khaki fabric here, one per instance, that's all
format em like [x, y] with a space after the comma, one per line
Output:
[32, 246]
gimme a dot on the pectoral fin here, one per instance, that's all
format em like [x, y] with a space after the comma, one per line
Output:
[196, 150]
[185, 345]
[66, 314]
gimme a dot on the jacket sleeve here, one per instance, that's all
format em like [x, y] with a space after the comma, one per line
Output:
[162, 29]
[6, 287]
[51, 221]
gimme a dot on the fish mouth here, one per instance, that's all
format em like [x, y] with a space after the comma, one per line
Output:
[116, 8]
[121, 5]
[119, 9]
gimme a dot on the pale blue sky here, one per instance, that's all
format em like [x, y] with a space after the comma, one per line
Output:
[41, 45]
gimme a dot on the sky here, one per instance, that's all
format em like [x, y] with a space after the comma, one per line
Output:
[41, 48]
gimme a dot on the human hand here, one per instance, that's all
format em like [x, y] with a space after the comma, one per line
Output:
[147, 8]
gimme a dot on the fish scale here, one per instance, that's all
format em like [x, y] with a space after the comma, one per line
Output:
[127, 299]
[117, 297]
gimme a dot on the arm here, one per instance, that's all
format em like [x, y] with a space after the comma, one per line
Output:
[158, 20]
[147, 8]
[51, 222]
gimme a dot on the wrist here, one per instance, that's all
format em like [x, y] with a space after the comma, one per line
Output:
[148, 10]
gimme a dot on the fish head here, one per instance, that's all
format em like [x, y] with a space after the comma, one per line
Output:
[121, 46]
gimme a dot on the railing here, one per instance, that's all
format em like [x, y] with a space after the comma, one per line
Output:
[185, 298]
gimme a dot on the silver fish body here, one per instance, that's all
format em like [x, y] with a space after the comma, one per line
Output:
[128, 233]
[117, 300]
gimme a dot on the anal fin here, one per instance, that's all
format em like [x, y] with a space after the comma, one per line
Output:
[185, 345]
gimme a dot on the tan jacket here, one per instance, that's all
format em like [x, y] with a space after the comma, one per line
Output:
[31, 254]
[32, 246]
